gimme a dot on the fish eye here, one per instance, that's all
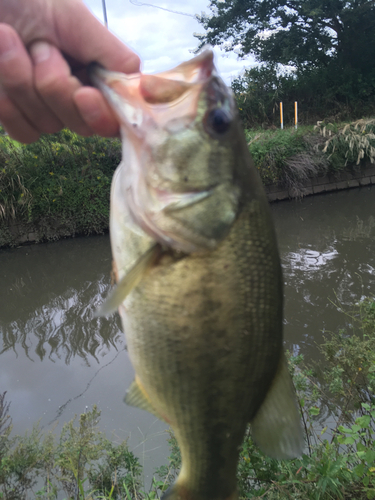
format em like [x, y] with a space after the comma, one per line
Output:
[219, 120]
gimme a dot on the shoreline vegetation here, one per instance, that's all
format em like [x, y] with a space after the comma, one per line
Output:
[60, 185]
[338, 414]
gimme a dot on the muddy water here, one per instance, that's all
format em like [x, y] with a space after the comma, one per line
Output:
[56, 360]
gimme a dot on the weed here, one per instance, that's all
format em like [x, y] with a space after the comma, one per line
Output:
[350, 143]
[59, 184]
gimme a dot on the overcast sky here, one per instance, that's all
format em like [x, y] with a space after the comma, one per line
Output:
[163, 39]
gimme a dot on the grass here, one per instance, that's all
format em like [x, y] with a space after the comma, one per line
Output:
[349, 143]
[60, 183]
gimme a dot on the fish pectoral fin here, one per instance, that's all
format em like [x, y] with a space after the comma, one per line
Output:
[276, 428]
[129, 281]
[138, 397]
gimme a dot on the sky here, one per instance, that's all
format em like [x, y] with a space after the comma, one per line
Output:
[163, 39]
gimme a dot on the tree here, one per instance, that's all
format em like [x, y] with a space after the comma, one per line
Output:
[301, 33]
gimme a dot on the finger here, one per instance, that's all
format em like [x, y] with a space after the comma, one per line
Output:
[14, 122]
[16, 79]
[56, 85]
[95, 111]
[84, 38]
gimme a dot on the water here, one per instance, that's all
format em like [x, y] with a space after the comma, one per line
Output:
[327, 247]
[57, 361]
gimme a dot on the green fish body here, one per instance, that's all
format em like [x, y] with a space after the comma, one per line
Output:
[199, 278]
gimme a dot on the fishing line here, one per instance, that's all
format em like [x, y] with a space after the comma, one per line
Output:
[141, 4]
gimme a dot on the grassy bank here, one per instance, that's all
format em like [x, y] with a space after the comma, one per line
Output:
[338, 463]
[59, 186]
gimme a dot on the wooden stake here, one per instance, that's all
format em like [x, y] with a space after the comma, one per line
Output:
[281, 115]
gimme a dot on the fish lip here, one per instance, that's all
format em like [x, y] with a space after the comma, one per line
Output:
[146, 100]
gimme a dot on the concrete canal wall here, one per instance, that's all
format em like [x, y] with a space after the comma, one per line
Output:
[318, 185]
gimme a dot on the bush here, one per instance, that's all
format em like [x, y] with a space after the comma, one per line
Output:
[63, 179]
[82, 462]
[331, 93]
[349, 144]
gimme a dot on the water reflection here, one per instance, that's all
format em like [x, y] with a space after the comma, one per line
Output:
[327, 249]
[57, 360]
[49, 303]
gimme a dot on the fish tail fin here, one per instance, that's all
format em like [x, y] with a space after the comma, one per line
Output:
[177, 491]
[276, 428]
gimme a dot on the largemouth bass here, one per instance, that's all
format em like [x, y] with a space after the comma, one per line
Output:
[199, 283]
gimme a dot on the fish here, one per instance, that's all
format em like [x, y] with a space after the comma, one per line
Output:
[199, 281]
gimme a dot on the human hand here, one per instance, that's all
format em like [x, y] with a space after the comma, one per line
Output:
[45, 46]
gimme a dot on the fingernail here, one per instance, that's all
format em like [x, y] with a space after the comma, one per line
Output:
[8, 47]
[40, 52]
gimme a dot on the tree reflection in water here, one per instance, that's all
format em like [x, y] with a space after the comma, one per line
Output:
[48, 303]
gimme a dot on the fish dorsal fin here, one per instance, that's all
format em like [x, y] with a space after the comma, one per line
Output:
[129, 281]
[276, 428]
[138, 397]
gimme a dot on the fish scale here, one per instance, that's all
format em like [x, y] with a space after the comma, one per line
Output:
[199, 279]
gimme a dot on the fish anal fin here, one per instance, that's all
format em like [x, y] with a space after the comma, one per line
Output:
[138, 397]
[276, 428]
[129, 281]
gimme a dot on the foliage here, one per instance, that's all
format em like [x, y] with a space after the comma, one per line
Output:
[258, 93]
[83, 463]
[316, 53]
[168, 473]
[322, 93]
[286, 156]
[302, 33]
[63, 179]
[290, 157]
[350, 143]
[5, 424]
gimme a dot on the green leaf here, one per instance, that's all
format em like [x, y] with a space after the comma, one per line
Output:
[363, 421]
[370, 456]
[359, 470]
[348, 440]
[340, 428]
[314, 411]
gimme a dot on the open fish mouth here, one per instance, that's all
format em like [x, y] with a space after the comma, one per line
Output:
[139, 99]
[163, 119]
